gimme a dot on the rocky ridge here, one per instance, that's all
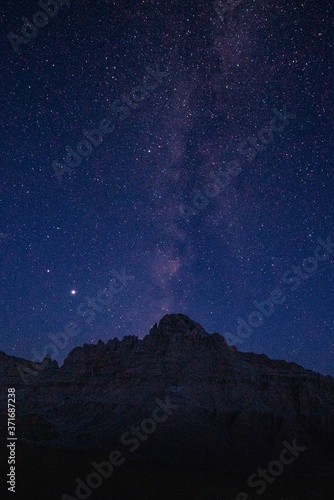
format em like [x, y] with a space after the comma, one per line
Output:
[234, 408]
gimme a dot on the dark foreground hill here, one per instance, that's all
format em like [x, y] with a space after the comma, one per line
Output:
[179, 414]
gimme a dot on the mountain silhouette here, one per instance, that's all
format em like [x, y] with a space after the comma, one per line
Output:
[180, 397]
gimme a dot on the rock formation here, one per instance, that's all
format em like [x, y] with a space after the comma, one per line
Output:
[234, 409]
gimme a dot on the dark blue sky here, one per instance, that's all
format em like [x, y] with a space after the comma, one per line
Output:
[185, 98]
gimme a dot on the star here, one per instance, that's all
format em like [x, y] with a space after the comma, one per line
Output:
[73, 292]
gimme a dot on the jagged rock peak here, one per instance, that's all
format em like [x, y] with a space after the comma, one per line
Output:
[172, 324]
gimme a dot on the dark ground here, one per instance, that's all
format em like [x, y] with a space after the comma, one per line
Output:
[49, 473]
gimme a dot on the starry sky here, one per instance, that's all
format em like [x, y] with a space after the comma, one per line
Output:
[165, 156]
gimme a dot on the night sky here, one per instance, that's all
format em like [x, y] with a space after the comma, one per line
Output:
[104, 243]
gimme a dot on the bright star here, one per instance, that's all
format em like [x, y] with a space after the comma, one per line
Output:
[73, 292]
